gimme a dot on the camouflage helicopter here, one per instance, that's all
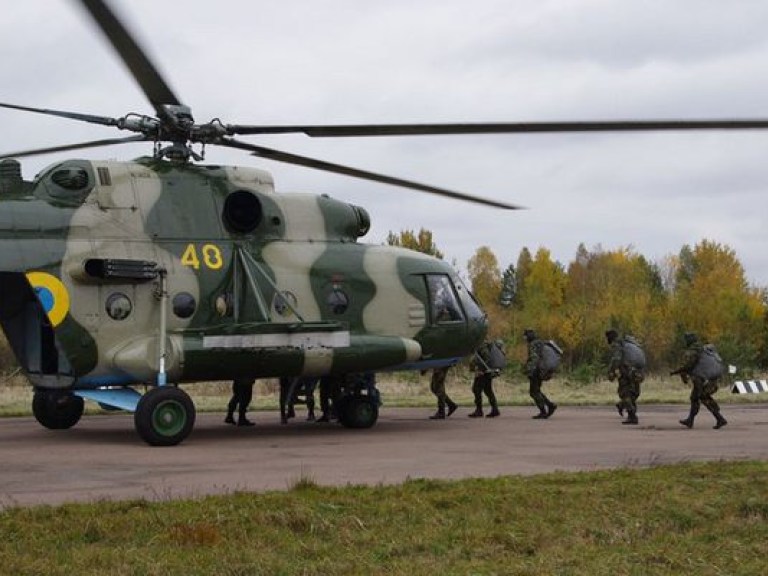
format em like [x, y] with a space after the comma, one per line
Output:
[163, 270]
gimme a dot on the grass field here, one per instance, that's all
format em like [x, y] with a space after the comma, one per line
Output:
[703, 519]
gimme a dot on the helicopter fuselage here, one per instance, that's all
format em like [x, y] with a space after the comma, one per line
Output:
[116, 273]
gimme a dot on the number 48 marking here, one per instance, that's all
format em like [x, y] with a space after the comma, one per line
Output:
[211, 254]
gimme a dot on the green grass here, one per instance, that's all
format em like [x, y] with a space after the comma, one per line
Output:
[703, 519]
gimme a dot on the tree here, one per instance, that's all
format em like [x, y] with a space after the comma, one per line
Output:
[508, 287]
[713, 299]
[484, 275]
[421, 242]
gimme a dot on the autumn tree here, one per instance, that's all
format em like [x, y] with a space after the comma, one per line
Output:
[421, 242]
[542, 294]
[713, 298]
[484, 275]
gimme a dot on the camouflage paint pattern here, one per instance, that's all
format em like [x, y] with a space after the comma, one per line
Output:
[297, 295]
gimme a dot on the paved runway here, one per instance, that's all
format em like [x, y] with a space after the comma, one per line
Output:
[103, 458]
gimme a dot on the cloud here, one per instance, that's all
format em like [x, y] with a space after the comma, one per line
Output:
[342, 61]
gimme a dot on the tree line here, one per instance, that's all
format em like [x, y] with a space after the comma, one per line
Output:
[701, 289]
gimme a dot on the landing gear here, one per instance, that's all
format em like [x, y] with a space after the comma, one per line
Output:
[57, 410]
[357, 411]
[164, 416]
[357, 401]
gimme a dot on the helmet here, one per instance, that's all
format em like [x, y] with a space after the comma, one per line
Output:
[529, 334]
[690, 338]
[611, 335]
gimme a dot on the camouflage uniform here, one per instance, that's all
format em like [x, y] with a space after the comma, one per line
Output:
[483, 383]
[702, 389]
[535, 377]
[437, 386]
[242, 393]
[629, 378]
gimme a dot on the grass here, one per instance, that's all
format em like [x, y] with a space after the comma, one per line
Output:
[705, 519]
[412, 390]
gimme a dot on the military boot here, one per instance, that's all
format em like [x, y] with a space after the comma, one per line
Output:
[243, 421]
[493, 413]
[720, 421]
[620, 408]
[551, 407]
[439, 415]
[478, 413]
[452, 406]
[230, 419]
[688, 422]
[631, 418]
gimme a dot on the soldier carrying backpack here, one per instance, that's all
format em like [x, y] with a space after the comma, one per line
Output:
[703, 367]
[543, 361]
[627, 363]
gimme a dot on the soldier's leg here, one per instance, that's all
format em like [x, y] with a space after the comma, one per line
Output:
[437, 387]
[477, 392]
[534, 390]
[711, 404]
[488, 390]
[232, 406]
[695, 404]
[246, 395]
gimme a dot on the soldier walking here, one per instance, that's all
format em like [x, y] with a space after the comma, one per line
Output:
[627, 363]
[539, 367]
[437, 386]
[482, 363]
[702, 367]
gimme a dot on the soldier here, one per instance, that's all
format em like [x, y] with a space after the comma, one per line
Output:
[483, 383]
[242, 393]
[437, 386]
[537, 373]
[703, 367]
[627, 363]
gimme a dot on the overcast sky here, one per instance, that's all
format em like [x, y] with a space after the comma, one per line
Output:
[400, 61]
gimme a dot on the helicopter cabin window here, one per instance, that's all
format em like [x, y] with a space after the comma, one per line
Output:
[337, 301]
[118, 306]
[444, 304]
[184, 305]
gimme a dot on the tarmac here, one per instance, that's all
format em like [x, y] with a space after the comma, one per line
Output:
[102, 458]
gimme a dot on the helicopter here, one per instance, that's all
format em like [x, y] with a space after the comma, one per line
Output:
[164, 271]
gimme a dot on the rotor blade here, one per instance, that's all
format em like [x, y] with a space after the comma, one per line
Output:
[502, 127]
[104, 120]
[138, 63]
[79, 146]
[279, 156]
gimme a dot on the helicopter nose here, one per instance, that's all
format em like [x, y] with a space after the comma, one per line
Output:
[478, 326]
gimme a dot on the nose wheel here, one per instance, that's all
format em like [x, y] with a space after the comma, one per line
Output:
[164, 416]
[57, 410]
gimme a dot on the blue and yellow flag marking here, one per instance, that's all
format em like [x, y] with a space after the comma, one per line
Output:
[52, 294]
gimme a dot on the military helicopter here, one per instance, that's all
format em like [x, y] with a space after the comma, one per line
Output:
[115, 276]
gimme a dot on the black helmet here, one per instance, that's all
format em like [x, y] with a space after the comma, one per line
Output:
[529, 334]
[690, 338]
[611, 335]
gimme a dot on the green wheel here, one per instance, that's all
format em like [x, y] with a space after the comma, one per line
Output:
[164, 416]
[57, 410]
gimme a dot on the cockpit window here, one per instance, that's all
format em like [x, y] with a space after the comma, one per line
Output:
[444, 304]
